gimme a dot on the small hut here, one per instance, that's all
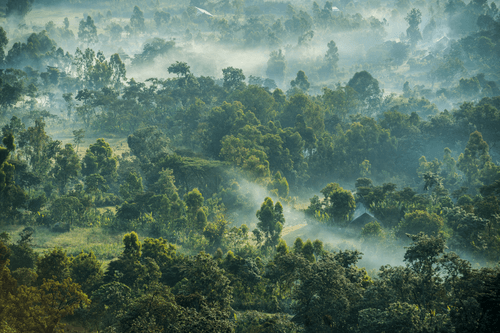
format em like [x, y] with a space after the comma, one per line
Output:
[361, 221]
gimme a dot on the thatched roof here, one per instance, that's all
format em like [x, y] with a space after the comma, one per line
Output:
[362, 220]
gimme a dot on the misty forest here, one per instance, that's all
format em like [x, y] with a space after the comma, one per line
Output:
[249, 166]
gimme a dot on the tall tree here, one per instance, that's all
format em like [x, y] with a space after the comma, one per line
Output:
[474, 158]
[367, 88]
[66, 167]
[301, 82]
[271, 221]
[179, 68]
[276, 66]
[339, 203]
[332, 54]
[137, 20]
[119, 71]
[414, 18]
[87, 31]
[19, 7]
[38, 147]
[3, 43]
[233, 78]
[12, 196]
[99, 159]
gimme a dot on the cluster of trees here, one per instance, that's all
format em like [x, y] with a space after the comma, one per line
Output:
[304, 288]
[211, 257]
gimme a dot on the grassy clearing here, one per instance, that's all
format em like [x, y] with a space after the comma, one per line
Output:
[104, 209]
[106, 246]
[118, 145]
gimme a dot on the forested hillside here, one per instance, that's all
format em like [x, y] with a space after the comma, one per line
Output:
[249, 166]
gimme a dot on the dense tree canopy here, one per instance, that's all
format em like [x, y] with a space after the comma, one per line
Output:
[249, 166]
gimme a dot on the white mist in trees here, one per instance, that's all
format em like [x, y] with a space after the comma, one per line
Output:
[332, 54]
[96, 72]
[367, 88]
[276, 67]
[115, 30]
[413, 18]
[137, 20]
[196, 214]
[87, 31]
[179, 68]
[66, 23]
[19, 7]
[279, 185]
[161, 18]
[3, 43]
[306, 38]
[152, 49]
[430, 29]
[301, 82]
[119, 75]
[399, 53]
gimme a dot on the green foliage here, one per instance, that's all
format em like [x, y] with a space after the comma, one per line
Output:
[148, 143]
[301, 82]
[372, 231]
[338, 203]
[205, 278]
[131, 187]
[327, 295]
[271, 221]
[67, 209]
[191, 136]
[54, 265]
[99, 159]
[258, 322]
[38, 147]
[128, 269]
[474, 158]
[12, 196]
[367, 88]
[66, 168]
[22, 254]
[233, 78]
[179, 68]
[86, 270]
[398, 317]
[152, 49]
[279, 184]
[420, 221]
[39, 309]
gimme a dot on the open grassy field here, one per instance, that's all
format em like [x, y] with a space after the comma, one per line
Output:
[106, 246]
[118, 144]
